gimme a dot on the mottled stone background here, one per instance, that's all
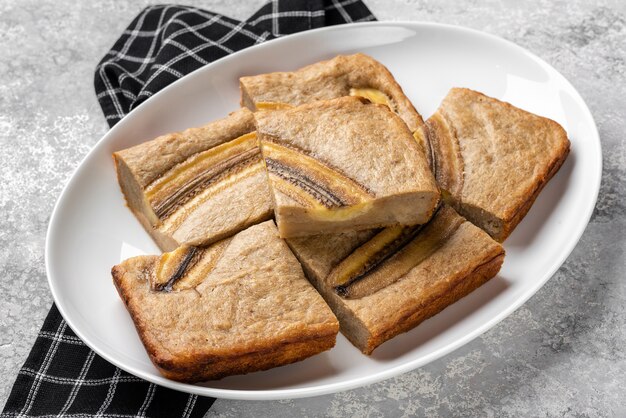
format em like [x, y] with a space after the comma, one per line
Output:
[561, 354]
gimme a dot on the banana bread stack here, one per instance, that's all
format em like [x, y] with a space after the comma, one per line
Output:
[325, 204]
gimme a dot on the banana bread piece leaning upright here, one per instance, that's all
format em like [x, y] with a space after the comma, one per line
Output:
[492, 159]
[197, 186]
[237, 306]
[343, 164]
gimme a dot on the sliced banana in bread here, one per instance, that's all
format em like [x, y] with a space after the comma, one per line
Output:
[237, 306]
[197, 186]
[492, 159]
[383, 283]
[343, 164]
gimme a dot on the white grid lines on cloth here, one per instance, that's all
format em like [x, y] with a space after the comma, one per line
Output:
[77, 415]
[193, 29]
[275, 29]
[32, 394]
[167, 66]
[229, 25]
[186, 52]
[131, 40]
[125, 74]
[340, 5]
[342, 11]
[110, 392]
[70, 381]
[116, 90]
[198, 35]
[112, 92]
[78, 383]
[366, 19]
[116, 104]
[191, 402]
[293, 13]
[148, 59]
[147, 401]
[118, 107]
[64, 338]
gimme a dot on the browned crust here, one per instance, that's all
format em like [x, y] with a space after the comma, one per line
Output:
[201, 365]
[202, 369]
[118, 272]
[398, 315]
[463, 286]
[510, 224]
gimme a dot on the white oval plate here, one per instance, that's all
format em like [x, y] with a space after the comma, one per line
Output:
[91, 229]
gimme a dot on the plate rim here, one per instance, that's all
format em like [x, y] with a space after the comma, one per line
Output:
[351, 383]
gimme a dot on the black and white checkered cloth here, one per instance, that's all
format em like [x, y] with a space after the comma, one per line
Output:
[62, 377]
[166, 42]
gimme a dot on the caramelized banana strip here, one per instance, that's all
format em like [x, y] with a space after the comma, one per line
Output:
[371, 254]
[211, 175]
[272, 106]
[218, 185]
[186, 267]
[373, 95]
[314, 193]
[187, 179]
[423, 245]
[173, 266]
[309, 181]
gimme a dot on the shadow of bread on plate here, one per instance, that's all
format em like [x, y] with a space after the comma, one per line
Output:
[237, 306]
[343, 164]
[344, 75]
[491, 159]
[383, 283]
[197, 186]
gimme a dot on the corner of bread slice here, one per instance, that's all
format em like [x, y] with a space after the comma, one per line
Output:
[343, 164]
[180, 185]
[235, 307]
[356, 75]
[492, 159]
[441, 264]
[245, 99]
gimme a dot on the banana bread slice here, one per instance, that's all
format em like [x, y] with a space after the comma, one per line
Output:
[343, 164]
[237, 306]
[197, 186]
[345, 75]
[492, 159]
[383, 283]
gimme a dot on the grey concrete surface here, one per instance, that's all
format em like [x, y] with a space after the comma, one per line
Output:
[561, 354]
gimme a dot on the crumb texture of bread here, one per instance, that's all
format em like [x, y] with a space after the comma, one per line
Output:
[254, 310]
[466, 260]
[354, 163]
[199, 185]
[492, 159]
